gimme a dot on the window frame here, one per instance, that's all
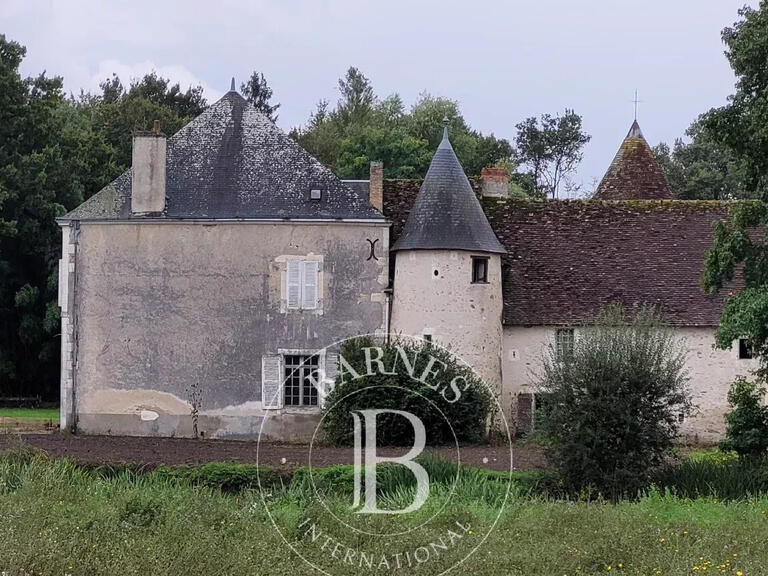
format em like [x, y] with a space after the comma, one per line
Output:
[561, 353]
[300, 293]
[744, 349]
[300, 361]
[485, 260]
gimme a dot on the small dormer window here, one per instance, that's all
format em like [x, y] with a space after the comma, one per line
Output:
[315, 194]
[479, 270]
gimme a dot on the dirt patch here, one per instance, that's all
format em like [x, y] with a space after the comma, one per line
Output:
[177, 451]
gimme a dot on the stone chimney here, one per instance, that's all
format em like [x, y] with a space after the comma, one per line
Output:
[494, 181]
[148, 173]
[376, 186]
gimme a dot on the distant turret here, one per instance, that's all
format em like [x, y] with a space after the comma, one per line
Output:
[634, 174]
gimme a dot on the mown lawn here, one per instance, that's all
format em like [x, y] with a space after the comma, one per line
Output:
[58, 518]
[30, 413]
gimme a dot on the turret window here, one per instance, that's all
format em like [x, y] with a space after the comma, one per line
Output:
[479, 270]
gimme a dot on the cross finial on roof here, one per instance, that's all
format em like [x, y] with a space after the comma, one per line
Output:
[636, 101]
[232, 86]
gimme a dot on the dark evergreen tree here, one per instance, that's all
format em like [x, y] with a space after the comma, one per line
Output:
[258, 93]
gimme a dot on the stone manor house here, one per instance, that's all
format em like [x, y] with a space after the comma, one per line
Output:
[227, 256]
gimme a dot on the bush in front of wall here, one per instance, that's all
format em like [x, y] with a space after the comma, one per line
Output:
[444, 410]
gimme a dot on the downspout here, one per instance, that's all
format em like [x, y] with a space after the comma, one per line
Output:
[387, 312]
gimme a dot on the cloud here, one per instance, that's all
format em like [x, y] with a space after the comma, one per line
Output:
[127, 72]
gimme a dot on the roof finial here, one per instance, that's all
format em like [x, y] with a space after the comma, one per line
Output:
[445, 127]
[636, 101]
[232, 86]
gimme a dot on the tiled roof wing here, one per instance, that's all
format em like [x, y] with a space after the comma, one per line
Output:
[446, 214]
[634, 174]
[233, 162]
[567, 259]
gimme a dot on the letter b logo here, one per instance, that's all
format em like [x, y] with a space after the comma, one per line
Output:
[372, 459]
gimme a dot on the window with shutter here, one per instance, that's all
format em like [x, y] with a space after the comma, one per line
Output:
[331, 371]
[293, 284]
[271, 380]
[309, 285]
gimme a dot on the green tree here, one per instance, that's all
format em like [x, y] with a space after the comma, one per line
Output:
[117, 113]
[258, 93]
[612, 404]
[551, 148]
[49, 152]
[702, 169]
[357, 98]
[747, 431]
[742, 125]
[362, 128]
[738, 246]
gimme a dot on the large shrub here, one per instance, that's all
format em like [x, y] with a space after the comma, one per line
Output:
[747, 422]
[613, 404]
[430, 399]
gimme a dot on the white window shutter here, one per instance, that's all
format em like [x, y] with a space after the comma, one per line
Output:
[331, 371]
[293, 284]
[271, 381]
[309, 284]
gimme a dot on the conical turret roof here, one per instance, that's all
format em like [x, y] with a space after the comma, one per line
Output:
[634, 174]
[446, 214]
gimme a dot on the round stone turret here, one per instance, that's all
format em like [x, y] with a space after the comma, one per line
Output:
[448, 269]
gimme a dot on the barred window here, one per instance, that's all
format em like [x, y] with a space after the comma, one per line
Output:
[301, 380]
[564, 341]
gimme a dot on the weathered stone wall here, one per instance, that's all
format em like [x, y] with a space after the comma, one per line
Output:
[172, 315]
[711, 372]
[434, 295]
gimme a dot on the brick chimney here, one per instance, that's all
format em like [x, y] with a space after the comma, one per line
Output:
[494, 181]
[148, 173]
[376, 187]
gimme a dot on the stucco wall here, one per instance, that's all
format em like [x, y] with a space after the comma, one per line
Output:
[175, 314]
[463, 316]
[711, 371]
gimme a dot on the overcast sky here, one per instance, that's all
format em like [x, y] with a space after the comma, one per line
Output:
[503, 61]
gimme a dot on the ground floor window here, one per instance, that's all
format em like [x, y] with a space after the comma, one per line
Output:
[564, 341]
[301, 373]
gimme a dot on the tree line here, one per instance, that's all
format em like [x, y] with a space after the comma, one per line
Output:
[56, 150]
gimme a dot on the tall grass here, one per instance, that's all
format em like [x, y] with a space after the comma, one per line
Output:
[60, 518]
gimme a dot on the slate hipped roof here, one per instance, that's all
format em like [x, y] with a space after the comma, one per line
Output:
[233, 162]
[446, 214]
[635, 173]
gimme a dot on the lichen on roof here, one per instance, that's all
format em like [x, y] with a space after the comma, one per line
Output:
[234, 162]
[634, 174]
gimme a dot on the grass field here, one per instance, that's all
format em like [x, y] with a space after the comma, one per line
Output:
[58, 518]
[30, 413]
